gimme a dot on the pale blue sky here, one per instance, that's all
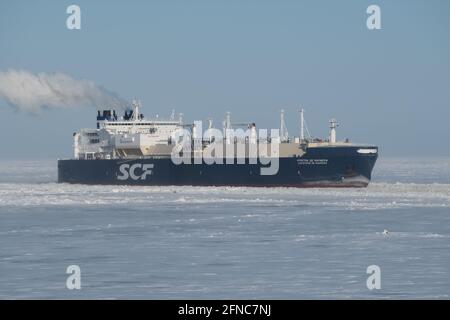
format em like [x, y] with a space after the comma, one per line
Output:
[389, 87]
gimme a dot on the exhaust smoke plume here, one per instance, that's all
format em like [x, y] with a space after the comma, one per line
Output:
[32, 92]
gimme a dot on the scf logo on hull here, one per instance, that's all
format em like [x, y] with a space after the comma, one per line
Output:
[127, 171]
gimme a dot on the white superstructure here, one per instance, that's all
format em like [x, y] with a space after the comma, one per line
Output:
[131, 135]
[134, 136]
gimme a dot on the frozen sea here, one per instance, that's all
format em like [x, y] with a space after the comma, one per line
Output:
[208, 242]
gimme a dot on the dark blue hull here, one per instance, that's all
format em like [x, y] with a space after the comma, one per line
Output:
[318, 167]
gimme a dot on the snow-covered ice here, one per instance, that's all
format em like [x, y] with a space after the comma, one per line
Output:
[219, 242]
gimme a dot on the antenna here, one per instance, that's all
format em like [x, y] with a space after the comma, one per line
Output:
[136, 104]
[333, 125]
[253, 134]
[172, 116]
[227, 127]
[302, 124]
[284, 135]
[210, 125]
[194, 131]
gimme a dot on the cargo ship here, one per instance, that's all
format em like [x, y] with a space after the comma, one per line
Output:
[134, 150]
